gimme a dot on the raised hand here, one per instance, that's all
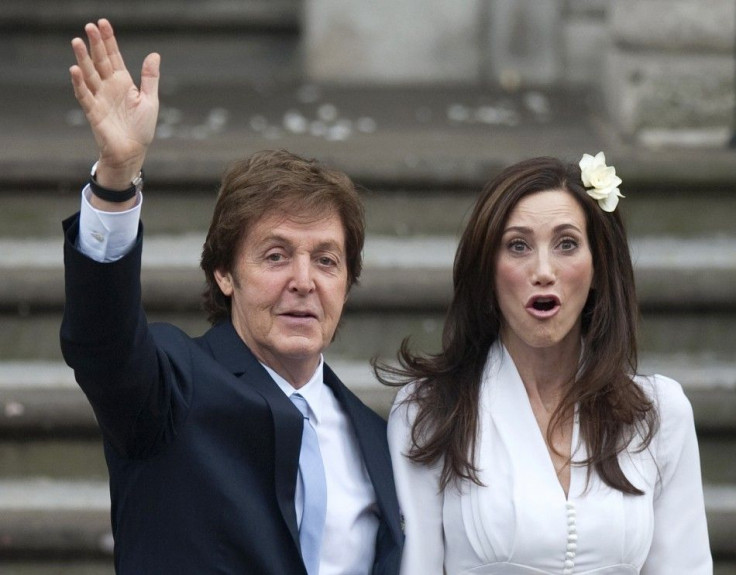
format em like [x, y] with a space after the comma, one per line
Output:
[122, 116]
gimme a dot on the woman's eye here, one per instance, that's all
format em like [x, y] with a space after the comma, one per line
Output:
[517, 246]
[568, 244]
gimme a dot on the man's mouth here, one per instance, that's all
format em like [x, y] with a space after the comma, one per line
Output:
[299, 314]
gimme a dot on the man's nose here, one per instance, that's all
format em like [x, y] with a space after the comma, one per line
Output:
[302, 279]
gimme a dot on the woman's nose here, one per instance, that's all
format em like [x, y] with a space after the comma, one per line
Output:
[543, 273]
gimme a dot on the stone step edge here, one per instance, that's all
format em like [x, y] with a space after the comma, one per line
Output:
[136, 17]
[47, 517]
[406, 273]
[41, 398]
[181, 251]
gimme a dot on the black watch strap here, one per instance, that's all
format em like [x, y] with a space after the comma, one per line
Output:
[117, 196]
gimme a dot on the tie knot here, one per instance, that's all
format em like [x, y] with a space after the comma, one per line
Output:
[301, 404]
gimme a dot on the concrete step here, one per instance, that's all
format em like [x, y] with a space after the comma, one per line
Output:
[254, 42]
[75, 457]
[34, 335]
[41, 399]
[448, 135]
[37, 64]
[135, 16]
[406, 273]
[390, 211]
[36, 566]
[71, 518]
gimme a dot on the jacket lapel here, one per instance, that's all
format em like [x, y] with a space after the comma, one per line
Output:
[374, 449]
[231, 352]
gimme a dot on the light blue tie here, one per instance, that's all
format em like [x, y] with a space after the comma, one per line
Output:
[312, 476]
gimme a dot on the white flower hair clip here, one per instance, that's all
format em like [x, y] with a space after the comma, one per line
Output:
[601, 181]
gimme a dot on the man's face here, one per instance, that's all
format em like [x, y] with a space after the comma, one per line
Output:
[287, 289]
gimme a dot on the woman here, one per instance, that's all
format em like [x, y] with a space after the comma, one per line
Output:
[529, 444]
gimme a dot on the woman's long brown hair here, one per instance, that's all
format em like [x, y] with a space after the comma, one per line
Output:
[612, 408]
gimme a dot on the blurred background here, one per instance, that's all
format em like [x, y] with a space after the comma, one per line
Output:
[421, 102]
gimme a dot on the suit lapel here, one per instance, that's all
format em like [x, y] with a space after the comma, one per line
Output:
[230, 351]
[374, 449]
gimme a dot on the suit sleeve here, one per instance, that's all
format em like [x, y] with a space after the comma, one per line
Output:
[419, 497]
[135, 389]
[680, 543]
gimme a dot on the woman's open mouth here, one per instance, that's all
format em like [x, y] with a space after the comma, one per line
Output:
[543, 306]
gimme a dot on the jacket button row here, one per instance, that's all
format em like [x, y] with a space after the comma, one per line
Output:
[572, 539]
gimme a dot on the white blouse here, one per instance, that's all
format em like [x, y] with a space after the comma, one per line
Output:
[522, 523]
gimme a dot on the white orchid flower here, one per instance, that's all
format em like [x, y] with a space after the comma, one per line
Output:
[601, 181]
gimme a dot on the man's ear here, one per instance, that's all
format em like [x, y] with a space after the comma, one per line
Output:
[224, 281]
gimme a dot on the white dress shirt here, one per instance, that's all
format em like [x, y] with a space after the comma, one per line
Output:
[107, 236]
[520, 522]
[351, 523]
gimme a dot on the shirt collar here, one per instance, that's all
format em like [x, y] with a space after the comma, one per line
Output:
[310, 391]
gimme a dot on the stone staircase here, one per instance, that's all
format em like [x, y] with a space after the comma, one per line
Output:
[232, 84]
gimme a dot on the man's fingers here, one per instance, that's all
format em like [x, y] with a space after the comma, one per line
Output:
[86, 66]
[81, 91]
[150, 75]
[111, 44]
[98, 51]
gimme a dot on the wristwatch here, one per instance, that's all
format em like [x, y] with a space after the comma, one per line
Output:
[115, 195]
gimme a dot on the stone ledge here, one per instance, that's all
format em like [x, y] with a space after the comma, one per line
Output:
[39, 398]
[668, 94]
[681, 25]
[142, 15]
[399, 273]
[40, 517]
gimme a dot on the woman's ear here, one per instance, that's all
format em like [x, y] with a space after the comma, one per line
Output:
[224, 281]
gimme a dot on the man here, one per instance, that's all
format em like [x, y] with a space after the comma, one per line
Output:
[239, 451]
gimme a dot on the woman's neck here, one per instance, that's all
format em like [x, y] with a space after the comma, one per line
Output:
[545, 372]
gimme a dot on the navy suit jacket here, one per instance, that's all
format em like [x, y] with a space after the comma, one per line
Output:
[201, 445]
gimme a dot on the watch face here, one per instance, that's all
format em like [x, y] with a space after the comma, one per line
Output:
[138, 182]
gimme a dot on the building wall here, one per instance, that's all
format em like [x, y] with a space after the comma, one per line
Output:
[665, 68]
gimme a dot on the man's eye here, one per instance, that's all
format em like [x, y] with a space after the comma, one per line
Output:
[276, 257]
[325, 261]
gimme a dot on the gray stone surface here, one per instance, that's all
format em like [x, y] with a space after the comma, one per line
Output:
[410, 273]
[523, 42]
[585, 43]
[34, 520]
[276, 15]
[673, 83]
[42, 398]
[664, 98]
[679, 26]
[392, 42]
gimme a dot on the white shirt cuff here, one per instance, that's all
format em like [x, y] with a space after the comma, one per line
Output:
[107, 236]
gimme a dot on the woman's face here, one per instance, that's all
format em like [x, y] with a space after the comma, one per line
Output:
[544, 271]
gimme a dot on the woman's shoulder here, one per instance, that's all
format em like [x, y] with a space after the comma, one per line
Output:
[666, 393]
[404, 403]
[674, 410]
